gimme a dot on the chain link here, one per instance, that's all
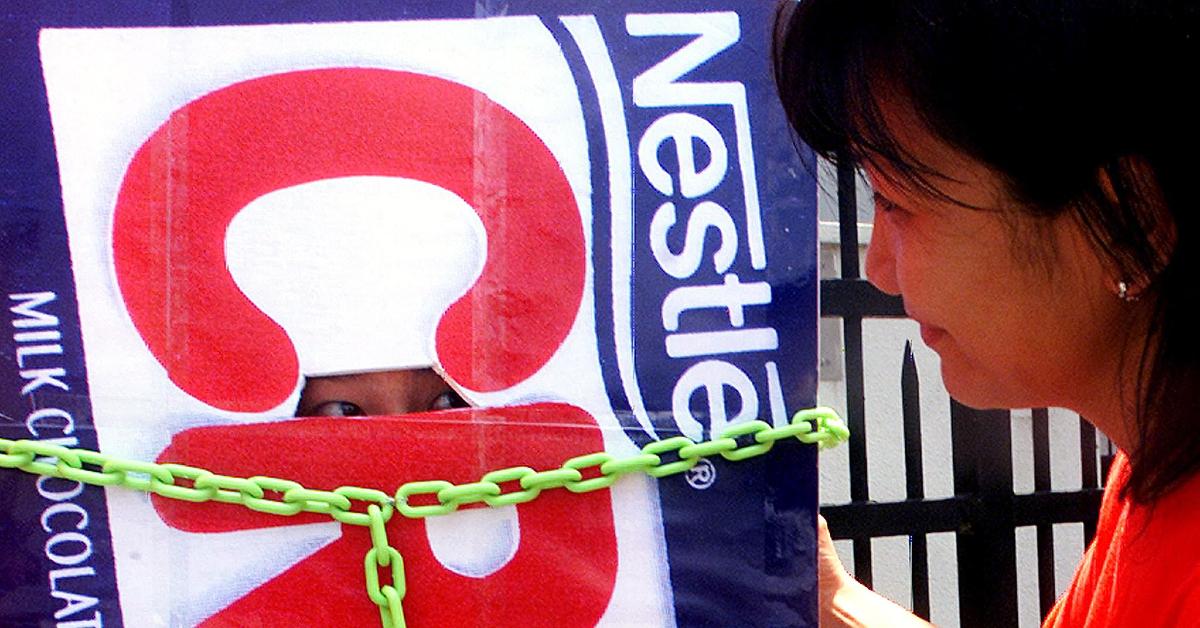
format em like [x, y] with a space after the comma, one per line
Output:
[750, 428]
[676, 445]
[512, 474]
[392, 616]
[582, 474]
[359, 494]
[556, 478]
[88, 476]
[389, 597]
[706, 449]
[431, 487]
[591, 461]
[270, 506]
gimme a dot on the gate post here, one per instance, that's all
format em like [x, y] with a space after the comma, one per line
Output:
[986, 542]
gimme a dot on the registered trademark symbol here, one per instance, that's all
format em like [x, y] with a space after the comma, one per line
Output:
[702, 475]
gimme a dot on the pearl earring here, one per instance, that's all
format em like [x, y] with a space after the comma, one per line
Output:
[1124, 292]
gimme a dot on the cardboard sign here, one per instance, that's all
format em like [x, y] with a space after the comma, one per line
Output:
[584, 222]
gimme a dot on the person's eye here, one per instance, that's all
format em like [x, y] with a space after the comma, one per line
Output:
[884, 205]
[448, 400]
[337, 408]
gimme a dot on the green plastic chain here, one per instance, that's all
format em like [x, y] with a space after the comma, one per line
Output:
[818, 426]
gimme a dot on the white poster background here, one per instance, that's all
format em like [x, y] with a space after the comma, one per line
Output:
[109, 89]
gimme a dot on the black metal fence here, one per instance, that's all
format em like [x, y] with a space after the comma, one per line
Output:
[984, 512]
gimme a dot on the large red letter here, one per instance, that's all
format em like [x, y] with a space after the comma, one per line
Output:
[222, 151]
[562, 574]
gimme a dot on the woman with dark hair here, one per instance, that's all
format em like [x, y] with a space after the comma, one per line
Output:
[1034, 166]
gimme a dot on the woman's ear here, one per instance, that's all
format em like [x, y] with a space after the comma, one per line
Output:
[1129, 185]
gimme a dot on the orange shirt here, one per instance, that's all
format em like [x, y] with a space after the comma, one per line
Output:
[1143, 568]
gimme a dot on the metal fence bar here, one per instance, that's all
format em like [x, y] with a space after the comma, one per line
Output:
[1087, 455]
[848, 219]
[856, 297]
[987, 549]
[1089, 474]
[852, 333]
[1049, 508]
[906, 518]
[914, 476]
[1045, 532]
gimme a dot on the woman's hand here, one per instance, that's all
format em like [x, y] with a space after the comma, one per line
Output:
[844, 601]
[831, 575]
